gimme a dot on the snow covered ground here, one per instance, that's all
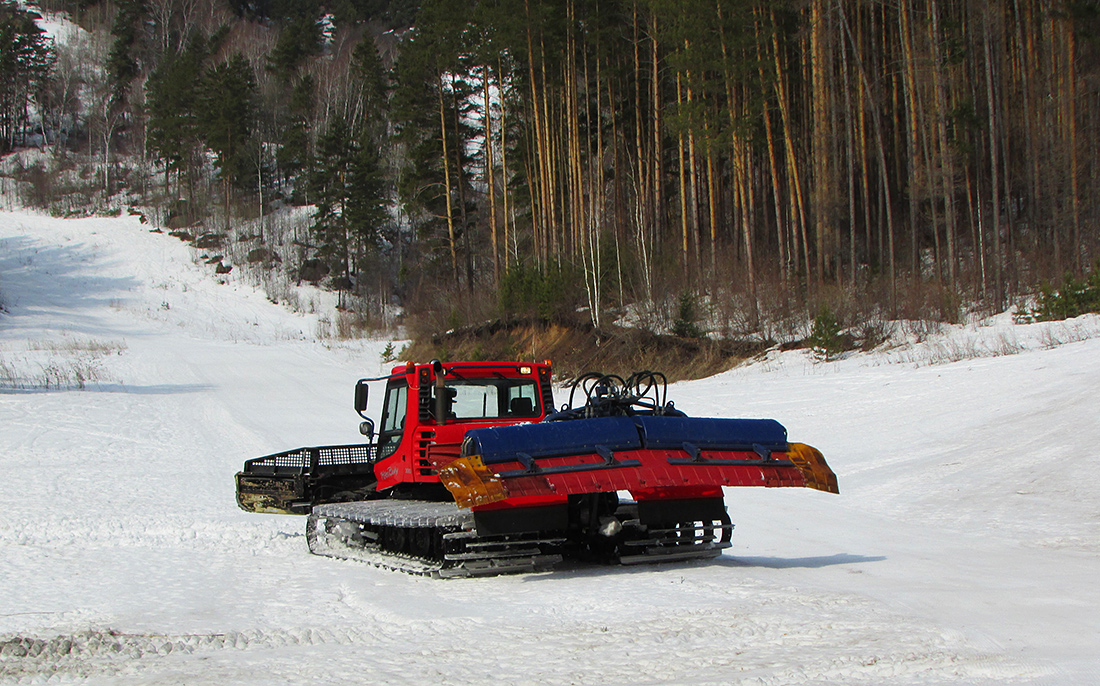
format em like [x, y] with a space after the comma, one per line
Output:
[964, 548]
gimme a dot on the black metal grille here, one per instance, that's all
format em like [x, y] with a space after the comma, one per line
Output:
[309, 461]
[346, 454]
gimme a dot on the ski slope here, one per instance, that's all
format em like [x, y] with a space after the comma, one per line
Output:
[964, 547]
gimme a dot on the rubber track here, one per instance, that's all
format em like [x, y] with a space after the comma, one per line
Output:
[422, 538]
[438, 539]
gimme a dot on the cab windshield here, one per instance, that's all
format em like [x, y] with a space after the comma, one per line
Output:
[491, 399]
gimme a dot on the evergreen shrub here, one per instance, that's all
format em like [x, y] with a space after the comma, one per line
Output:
[825, 339]
[545, 293]
[1074, 298]
[686, 317]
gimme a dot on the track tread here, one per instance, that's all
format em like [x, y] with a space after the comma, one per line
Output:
[439, 539]
[443, 532]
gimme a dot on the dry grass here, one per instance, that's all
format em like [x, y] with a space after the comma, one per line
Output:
[69, 363]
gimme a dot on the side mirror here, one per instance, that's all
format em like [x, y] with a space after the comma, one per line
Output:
[367, 429]
[361, 397]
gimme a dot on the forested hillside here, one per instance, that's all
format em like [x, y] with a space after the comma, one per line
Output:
[752, 161]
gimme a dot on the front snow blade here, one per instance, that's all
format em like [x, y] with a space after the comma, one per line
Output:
[811, 463]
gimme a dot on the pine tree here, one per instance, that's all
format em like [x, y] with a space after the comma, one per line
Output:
[294, 156]
[26, 57]
[431, 99]
[228, 113]
[299, 39]
[173, 99]
[374, 87]
[368, 185]
[330, 187]
[122, 61]
[366, 195]
[227, 118]
[825, 340]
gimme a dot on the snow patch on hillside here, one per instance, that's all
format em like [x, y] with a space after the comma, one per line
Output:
[56, 25]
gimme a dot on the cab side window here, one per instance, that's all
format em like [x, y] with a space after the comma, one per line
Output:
[522, 401]
[393, 418]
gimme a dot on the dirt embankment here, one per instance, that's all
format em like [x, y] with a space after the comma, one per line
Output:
[575, 348]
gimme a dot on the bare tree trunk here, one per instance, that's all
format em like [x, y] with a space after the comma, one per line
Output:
[260, 189]
[693, 197]
[693, 180]
[741, 188]
[1028, 60]
[539, 218]
[850, 176]
[553, 154]
[655, 96]
[683, 185]
[447, 186]
[504, 169]
[618, 220]
[712, 206]
[1050, 130]
[596, 201]
[884, 175]
[490, 176]
[574, 214]
[947, 159]
[823, 181]
[460, 186]
[642, 196]
[994, 167]
[773, 170]
[1074, 168]
[910, 80]
[865, 174]
[645, 213]
[798, 204]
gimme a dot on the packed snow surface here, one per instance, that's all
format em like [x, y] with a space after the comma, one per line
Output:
[964, 547]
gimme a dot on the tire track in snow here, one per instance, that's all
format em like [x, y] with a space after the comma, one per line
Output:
[104, 652]
[655, 650]
[175, 532]
[707, 632]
